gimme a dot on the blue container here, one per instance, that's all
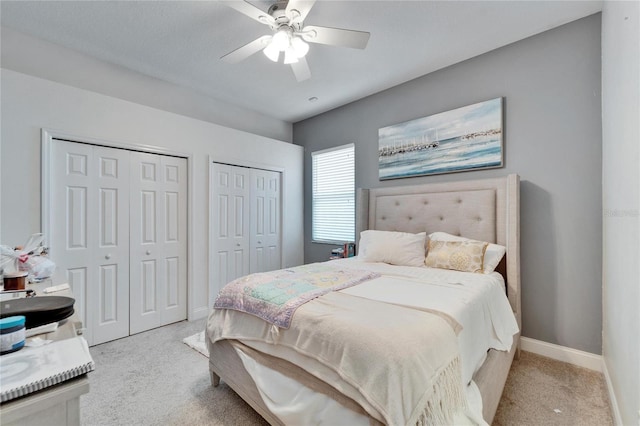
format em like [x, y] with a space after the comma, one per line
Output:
[11, 334]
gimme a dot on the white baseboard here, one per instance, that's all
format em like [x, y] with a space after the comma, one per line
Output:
[617, 419]
[562, 353]
[198, 313]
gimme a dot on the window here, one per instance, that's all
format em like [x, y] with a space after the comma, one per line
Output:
[333, 198]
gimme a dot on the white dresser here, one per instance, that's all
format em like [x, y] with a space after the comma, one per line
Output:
[55, 405]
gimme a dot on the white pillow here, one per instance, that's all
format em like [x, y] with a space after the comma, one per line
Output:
[492, 256]
[395, 248]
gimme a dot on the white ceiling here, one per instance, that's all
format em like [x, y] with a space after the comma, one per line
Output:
[182, 42]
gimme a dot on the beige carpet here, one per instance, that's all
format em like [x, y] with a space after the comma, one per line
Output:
[153, 378]
[541, 391]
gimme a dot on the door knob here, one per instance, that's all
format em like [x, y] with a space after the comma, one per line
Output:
[238, 244]
[108, 256]
[259, 242]
[148, 252]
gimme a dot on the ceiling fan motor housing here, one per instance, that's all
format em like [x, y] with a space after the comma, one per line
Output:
[279, 13]
[278, 6]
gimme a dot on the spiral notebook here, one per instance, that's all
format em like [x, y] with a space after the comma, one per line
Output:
[34, 368]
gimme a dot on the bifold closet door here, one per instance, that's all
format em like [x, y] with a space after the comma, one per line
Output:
[119, 236]
[158, 240]
[245, 222]
[230, 222]
[265, 245]
[90, 234]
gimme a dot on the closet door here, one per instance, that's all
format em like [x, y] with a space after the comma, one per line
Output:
[265, 221]
[230, 223]
[158, 240]
[90, 234]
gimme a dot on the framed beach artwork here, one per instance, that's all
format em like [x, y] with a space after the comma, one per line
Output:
[467, 138]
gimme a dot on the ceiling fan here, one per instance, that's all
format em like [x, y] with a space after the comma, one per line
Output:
[290, 35]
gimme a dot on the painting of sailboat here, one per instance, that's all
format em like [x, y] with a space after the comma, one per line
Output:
[467, 138]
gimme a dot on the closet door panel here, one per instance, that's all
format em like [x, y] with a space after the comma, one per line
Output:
[110, 290]
[89, 235]
[173, 272]
[148, 286]
[158, 241]
[272, 221]
[265, 221]
[146, 216]
[172, 297]
[77, 278]
[70, 239]
[230, 233]
[220, 276]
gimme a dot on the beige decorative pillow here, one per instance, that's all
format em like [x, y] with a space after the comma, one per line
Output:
[465, 256]
[492, 256]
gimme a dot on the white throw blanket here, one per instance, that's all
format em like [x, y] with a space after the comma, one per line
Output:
[476, 301]
[401, 365]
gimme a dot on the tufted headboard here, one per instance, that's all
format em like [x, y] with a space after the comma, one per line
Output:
[486, 210]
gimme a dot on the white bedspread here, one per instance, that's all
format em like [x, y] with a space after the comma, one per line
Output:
[296, 404]
[478, 302]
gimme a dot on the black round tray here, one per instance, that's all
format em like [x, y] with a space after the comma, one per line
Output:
[39, 310]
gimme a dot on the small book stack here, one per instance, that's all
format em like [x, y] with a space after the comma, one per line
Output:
[347, 250]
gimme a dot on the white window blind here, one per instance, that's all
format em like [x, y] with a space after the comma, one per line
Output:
[333, 216]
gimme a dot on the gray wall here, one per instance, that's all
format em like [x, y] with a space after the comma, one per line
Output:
[551, 85]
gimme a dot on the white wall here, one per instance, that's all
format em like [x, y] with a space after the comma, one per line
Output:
[30, 103]
[40, 58]
[621, 205]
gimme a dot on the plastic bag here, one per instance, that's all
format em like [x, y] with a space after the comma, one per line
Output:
[28, 259]
[38, 267]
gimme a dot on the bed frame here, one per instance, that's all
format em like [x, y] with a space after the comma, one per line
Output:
[487, 210]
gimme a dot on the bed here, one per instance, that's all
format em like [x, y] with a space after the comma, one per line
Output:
[481, 210]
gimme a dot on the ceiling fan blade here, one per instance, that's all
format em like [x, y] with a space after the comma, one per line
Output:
[335, 36]
[301, 69]
[247, 50]
[301, 6]
[251, 11]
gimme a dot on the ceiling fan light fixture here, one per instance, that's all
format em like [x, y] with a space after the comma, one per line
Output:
[281, 40]
[272, 52]
[290, 56]
[299, 47]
